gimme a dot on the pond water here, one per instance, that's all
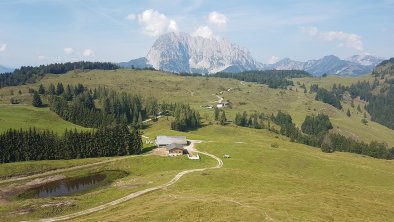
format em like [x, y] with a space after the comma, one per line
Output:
[67, 186]
[70, 186]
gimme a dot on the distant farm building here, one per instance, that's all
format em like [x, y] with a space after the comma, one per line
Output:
[222, 104]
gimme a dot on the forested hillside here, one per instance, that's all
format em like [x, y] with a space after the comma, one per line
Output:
[29, 74]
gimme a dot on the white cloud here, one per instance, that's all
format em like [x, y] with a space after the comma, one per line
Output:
[131, 17]
[155, 23]
[217, 19]
[348, 40]
[273, 59]
[88, 53]
[41, 57]
[3, 47]
[312, 31]
[203, 31]
[68, 51]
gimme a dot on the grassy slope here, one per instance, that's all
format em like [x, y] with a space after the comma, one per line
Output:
[25, 116]
[292, 183]
[260, 183]
[33, 167]
[144, 172]
[245, 97]
[329, 81]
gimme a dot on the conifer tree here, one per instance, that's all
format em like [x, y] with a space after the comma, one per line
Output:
[41, 89]
[222, 118]
[36, 100]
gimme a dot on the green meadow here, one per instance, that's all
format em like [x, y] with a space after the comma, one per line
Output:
[26, 116]
[267, 178]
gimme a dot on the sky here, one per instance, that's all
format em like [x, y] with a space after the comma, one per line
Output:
[34, 32]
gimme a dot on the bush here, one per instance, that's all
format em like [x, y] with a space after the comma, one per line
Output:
[275, 145]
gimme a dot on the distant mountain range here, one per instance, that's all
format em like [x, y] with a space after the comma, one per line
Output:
[4, 69]
[183, 53]
[355, 65]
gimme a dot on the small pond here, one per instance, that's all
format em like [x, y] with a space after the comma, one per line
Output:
[70, 186]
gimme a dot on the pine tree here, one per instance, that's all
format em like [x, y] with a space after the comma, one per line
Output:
[36, 100]
[348, 113]
[216, 113]
[222, 118]
[59, 89]
[52, 89]
[41, 89]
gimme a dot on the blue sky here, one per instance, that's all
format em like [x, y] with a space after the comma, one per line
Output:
[36, 32]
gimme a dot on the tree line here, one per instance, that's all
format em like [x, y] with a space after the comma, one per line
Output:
[379, 105]
[29, 74]
[77, 104]
[272, 78]
[315, 131]
[31, 144]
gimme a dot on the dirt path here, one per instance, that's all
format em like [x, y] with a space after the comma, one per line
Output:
[138, 193]
[57, 171]
[148, 120]
[220, 99]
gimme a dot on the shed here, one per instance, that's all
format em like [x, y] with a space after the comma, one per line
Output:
[174, 149]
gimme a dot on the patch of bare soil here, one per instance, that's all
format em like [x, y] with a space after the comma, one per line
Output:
[160, 152]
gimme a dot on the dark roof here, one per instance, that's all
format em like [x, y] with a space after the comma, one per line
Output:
[173, 146]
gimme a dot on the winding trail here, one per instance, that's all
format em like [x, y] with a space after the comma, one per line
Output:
[136, 194]
[62, 170]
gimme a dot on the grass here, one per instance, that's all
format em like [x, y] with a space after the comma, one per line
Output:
[33, 167]
[293, 182]
[144, 172]
[250, 97]
[25, 117]
[329, 81]
[267, 177]
[198, 91]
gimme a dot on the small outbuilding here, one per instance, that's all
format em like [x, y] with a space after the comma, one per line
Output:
[175, 149]
[222, 104]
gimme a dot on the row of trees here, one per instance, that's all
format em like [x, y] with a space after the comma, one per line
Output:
[29, 74]
[255, 120]
[25, 145]
[185, 117]
[220, 116]
[272, 78]
[336, 142]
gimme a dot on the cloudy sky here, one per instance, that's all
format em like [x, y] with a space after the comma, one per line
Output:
[36, 32]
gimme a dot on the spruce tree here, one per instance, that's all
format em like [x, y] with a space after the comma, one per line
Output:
[41, 89]
[348, 113]
[36, 100]
[59, 89]
[222, 118]
[216, 113]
